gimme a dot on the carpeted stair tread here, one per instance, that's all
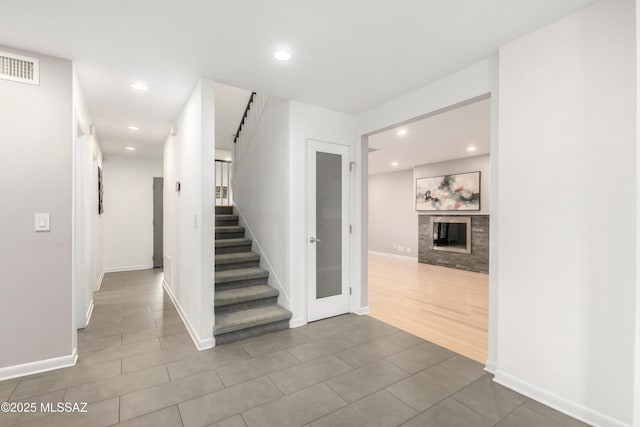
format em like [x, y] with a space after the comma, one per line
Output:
[239, 257]
[230, 229]
[241, 295]
[240, 241]
[240, 274]
[224, 210]
[245, 305]
[249, 318]
[227, 217]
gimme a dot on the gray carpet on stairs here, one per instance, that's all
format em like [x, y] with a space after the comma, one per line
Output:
[245, 305]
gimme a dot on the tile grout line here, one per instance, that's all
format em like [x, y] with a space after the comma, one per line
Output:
[518, 407]
[545, 415]
[165, 383]
[13, 390]
[240, 413]
[392, 394]
[385, 358]
[63, 370]
[474, 410]
[180, 414]
[449, 396]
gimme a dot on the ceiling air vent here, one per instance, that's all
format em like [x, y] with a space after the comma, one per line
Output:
[19, 68]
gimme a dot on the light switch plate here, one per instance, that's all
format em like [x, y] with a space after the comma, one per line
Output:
[42, 222]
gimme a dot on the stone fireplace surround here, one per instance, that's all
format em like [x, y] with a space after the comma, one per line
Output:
[477, 260]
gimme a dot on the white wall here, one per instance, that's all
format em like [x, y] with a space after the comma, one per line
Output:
[468, 164]
[568, 213]
[636, 412]
[261, 194]
[128, 211]
[310, 122]
[88, 233]
[223, 154]
[36, 131]
[393, 222]
[189, 215]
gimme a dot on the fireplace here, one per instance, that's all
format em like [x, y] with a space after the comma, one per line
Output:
[451, 233]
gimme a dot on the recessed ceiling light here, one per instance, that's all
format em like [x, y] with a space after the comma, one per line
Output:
[130, 148]
[139, 86]
[394, 164]
[133, 127]
[282, 55]
[401, 132]
[471, 148]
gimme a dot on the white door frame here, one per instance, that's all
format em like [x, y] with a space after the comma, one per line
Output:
[475, 82]
[339, 304]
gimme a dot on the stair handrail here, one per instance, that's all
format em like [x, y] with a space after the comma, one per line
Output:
[250, 120]
[244, 117]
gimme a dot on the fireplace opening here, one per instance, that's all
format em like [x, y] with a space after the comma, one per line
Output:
[451, 233]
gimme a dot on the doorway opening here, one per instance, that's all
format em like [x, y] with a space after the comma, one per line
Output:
[425, 176]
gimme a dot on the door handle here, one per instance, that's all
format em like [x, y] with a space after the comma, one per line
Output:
[314, 240]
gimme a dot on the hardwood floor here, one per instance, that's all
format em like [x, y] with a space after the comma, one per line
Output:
[446, 306]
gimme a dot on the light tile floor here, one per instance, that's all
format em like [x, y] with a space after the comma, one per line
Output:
[138, 367]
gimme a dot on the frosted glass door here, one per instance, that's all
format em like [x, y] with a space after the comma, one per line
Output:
[328, 225]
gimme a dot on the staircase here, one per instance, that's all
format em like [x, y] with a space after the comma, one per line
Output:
[245, 305]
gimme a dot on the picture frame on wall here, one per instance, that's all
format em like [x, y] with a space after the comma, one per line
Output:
[455, 192]
[100, 192]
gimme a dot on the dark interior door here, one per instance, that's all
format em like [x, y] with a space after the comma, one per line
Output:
[158, 184]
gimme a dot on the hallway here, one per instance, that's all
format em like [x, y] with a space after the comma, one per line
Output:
[138, 366]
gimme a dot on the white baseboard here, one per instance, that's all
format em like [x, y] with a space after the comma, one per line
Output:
[200, 343]
[558, 403]
[89, 313]
[40, 366]
[128, 268]
[491, 366]
[297, 322]
[361, 311]
[405, 257]
[274, 280]
[99, 284]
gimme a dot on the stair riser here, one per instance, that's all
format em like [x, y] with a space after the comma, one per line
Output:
[236, 265]
[233, 249]
[224, 210]
[226, 222]
[251, 332]
[241, 283]
[244, 305]
[232, 235]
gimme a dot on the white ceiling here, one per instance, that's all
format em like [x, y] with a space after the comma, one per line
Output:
[114, 105]
[445, 136]
[348, 55]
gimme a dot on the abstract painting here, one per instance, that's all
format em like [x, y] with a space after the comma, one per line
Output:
[459, 192]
